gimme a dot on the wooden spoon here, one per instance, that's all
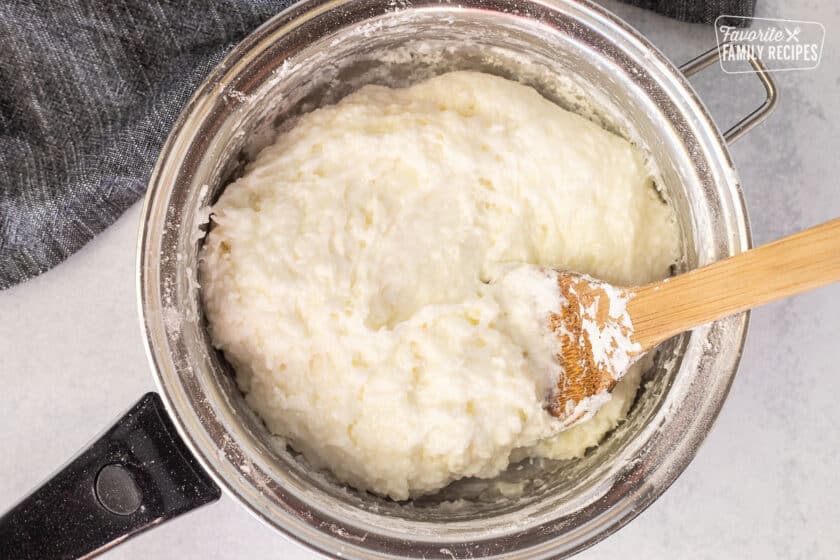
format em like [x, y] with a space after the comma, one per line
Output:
[603, 329]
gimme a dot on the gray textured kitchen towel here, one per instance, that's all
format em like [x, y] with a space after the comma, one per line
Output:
[699, 11]
[88, 92]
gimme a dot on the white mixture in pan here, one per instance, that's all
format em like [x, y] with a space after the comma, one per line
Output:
[346, 276]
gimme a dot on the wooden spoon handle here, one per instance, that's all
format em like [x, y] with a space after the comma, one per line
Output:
[791, 265]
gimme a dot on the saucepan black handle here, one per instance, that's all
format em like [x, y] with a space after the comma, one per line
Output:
[135, 476]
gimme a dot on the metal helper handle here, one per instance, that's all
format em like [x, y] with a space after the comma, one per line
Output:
[750, 121]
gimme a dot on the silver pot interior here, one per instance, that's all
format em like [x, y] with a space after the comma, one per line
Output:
[315, 54]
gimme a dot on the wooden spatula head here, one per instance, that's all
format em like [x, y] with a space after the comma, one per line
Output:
[594, 332]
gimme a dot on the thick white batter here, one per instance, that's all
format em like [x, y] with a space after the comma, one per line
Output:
[346, 275]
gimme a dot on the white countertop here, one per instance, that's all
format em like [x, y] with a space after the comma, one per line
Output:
[764, 485]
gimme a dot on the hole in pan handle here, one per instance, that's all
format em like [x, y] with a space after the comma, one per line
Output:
[739, 129]
[136, 475]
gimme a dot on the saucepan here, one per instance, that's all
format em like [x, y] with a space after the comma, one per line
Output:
[175, 449]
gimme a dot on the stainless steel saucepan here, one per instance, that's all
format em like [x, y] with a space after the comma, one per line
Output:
[173, 452]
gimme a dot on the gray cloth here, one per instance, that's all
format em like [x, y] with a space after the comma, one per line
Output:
[88, 92]
[700, 11]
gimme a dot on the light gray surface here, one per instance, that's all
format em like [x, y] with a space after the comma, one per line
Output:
[764, 485]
